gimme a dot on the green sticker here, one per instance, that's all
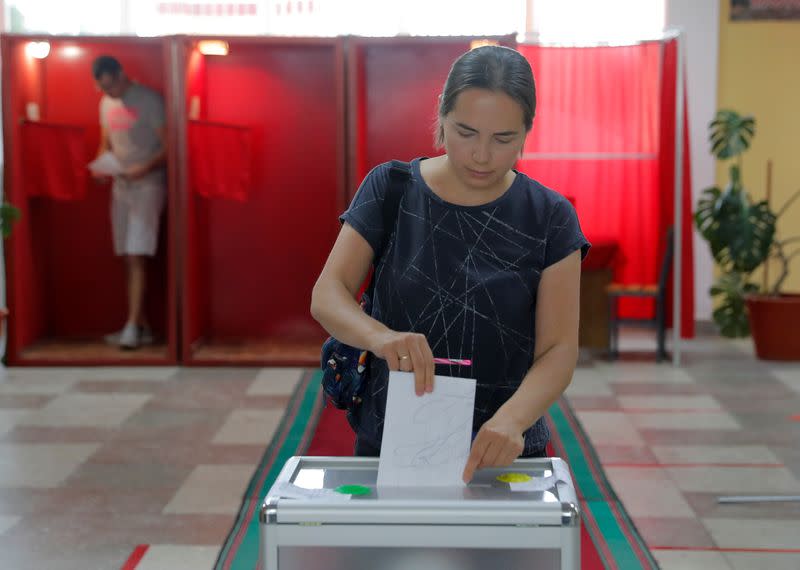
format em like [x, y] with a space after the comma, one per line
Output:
[514, 478]
[353, 490]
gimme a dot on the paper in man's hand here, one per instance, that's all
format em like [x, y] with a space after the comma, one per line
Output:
[426, 439]
[106, 165]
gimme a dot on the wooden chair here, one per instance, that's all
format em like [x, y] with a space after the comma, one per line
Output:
[655, 291]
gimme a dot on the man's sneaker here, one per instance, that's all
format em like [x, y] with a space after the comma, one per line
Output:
[146, 337]
[113, 338]
[130, 337]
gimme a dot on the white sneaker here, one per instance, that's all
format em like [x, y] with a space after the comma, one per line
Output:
[146, 337]
[130, 337]
[113, 338]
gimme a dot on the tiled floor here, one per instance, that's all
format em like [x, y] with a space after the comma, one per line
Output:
[96, 462]
[674, 440]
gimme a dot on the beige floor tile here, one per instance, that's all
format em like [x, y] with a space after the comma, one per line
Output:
[648, 492]
[116, 373]
[211, 489]
[98, 410]
[275, 382]
[668, 403]
[735, 480]
[789, 375]
[743, 345]
[763, 560]
[175, 557]
[714, 454]
[47, 383]
[34, 373]
[690, 560]
[249, 427]
[40, 465]
[754, 533]
[6, 522]
[10, 418]
[611, 428]
[641, 373]
[588, 382]
[684, 420]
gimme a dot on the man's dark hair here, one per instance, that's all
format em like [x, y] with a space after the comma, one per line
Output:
[106, 64]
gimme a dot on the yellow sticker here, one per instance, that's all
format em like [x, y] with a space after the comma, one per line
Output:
[514, 478]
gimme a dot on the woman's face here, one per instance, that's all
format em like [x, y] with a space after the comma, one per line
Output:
[483, 135]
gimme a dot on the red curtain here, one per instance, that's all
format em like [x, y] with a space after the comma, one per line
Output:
[667, 185]
[55, 159]
[220, 160]
[603, 136]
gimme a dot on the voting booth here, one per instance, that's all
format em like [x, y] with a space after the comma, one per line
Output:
[394, 85]
[327, 513]
[65, 287]
[262, 157]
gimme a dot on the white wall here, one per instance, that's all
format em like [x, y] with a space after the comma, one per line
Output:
[699, 20]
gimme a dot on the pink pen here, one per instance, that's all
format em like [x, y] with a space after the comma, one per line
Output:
[458, 361]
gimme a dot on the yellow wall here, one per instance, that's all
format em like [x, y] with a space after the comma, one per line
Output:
[759, 74]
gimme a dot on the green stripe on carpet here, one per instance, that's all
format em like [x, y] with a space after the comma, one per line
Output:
[603, 513]
[617, 540]
[240, 551]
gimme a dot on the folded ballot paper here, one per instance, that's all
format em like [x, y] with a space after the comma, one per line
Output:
[426, 439]
[106, 165]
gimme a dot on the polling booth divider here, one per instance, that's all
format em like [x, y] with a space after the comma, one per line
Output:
[262, 169]
[65, 287]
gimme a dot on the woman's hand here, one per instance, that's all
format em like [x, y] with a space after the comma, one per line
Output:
[498, 443]
[407, 352]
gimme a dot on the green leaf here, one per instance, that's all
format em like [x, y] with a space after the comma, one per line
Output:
[730, 314]
[730, 134]
[8, 215]
[739, 233]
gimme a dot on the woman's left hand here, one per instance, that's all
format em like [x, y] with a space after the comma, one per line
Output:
[498, 443]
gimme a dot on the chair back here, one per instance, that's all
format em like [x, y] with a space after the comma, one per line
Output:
[666, 262]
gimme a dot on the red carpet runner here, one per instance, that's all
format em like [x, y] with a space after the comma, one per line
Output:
[608, 537]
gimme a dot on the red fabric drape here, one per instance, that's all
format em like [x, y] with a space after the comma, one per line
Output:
[598, 137]
[54, 159]
[667, 185]
[220, 160]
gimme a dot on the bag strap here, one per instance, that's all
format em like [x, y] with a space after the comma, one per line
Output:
[399, 176]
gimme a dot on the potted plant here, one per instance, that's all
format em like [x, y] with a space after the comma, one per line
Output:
[8, 215]
[741, 234]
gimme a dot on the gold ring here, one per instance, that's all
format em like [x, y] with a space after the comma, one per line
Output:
[404, 357]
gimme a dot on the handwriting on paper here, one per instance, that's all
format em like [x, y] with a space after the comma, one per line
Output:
[426, 438]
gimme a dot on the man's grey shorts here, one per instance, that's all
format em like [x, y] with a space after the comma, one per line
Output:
[136, 208]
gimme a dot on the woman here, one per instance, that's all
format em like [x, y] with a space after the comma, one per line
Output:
[482, 263]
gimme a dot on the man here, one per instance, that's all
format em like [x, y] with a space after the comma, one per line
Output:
[132, 122]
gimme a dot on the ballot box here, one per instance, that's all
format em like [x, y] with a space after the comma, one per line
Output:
[327, 513]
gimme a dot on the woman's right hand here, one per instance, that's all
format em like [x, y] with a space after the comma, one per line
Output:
[407, 352]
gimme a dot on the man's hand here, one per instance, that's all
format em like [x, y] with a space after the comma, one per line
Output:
[136, 171]
[498, 443]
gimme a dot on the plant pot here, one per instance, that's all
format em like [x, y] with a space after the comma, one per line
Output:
[773, 324]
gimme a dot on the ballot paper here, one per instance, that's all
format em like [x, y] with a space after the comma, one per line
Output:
[106, 165]
[426, 439]
[289, 491]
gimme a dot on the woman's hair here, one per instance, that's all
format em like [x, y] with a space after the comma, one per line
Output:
[494, 68]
